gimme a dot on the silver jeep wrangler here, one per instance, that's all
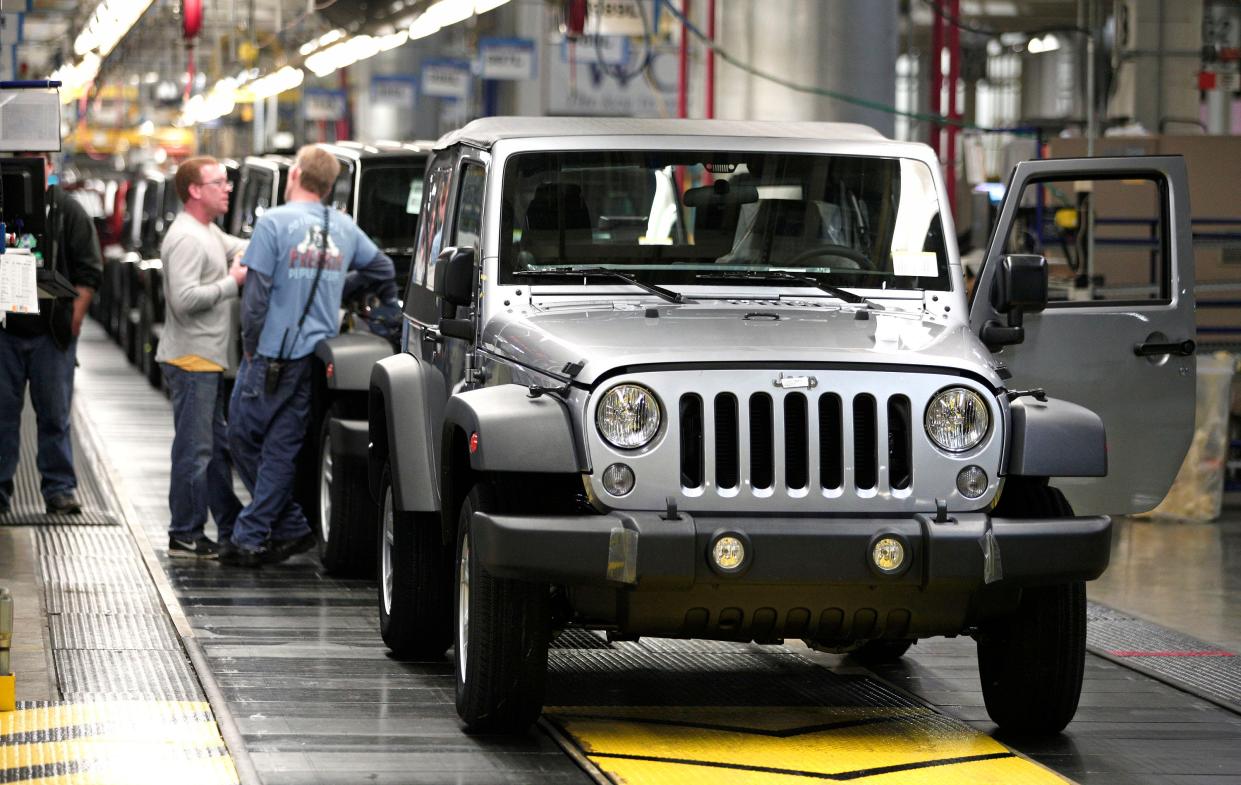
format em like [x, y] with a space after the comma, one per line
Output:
[723, 380]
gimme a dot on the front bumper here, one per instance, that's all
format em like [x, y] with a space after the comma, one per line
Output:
[646, 552]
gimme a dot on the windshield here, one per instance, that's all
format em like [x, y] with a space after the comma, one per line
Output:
[389, 198]
[681, 217]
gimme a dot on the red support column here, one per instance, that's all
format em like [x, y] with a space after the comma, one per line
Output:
[683, 70]
[935, 61]
[710, 85]
[954, 75]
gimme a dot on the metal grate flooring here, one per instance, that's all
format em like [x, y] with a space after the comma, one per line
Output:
[27, 503]
[1202, 668]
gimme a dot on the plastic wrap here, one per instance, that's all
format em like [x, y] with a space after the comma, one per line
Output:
[1197, 494]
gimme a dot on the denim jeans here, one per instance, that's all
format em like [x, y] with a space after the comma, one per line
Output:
[265, 432]
[201, 478]
[49, 371]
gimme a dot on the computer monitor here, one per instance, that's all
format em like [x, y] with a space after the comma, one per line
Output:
[23, 196]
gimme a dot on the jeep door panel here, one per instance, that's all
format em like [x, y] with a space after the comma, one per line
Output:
[1086, 351]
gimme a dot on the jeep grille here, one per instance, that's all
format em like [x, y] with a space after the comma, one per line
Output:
[760, 435]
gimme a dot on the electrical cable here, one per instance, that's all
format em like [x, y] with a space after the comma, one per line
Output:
[956, 22]
[865, 103]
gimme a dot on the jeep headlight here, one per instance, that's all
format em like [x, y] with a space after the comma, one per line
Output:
[957, 419]
[628, 416]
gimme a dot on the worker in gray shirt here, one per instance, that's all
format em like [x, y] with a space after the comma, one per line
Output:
[200, 289]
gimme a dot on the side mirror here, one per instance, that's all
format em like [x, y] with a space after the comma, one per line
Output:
[455, 278]
[1020, 287]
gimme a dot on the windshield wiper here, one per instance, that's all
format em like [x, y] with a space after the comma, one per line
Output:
[777, 277]
[601, 272]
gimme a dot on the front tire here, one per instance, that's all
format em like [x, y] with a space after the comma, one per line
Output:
[1031, 662]
[415, 581]
[502, 632]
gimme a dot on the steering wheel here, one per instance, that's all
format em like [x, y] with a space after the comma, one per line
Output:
[839, 251]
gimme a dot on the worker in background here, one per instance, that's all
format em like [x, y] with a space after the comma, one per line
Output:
[199, 288]
[297, 261]
[41, 349]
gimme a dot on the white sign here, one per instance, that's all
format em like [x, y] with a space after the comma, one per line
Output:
[326, 105]
[399, 90]
[18, 291]
[29, 120]
[593, 89]
[10, 29]
[619, 17]
[507, 58]
[609, 49]
[446, 78]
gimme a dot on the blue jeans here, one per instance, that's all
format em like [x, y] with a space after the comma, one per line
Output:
[49, 372]
[201, 479]
[265, 432]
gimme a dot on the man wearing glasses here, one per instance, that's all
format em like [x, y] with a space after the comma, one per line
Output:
[199, 289]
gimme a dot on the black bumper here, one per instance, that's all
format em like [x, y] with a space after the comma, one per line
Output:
[646, 552]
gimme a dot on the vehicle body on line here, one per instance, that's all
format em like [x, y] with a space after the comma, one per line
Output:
[757, 408]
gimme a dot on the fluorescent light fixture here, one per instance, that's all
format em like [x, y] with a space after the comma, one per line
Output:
[483, 6]
[423, 26]
[1048, 43]
[450, 12]
[320, 42]
[109, 23]
[287, 78]
[386, 42]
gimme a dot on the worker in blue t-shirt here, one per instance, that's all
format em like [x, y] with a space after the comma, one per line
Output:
[301, 258]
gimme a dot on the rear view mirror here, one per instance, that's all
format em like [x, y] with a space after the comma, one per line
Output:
[1020, 287]
[455, 277]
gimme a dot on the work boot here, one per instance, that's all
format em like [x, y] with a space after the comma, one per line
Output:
[63, 504]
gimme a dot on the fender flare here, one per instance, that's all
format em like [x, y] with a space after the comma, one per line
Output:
[516, 433]
[406, 397]
[351, 356]
[1055, 438]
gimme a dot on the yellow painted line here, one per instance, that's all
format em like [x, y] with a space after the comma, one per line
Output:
[656, 745]
[114, 743]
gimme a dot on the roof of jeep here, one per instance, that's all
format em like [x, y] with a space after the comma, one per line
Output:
[357, 150]
[489, 130]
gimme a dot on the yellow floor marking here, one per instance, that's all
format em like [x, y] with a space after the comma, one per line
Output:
[732, 746]
[114, 743]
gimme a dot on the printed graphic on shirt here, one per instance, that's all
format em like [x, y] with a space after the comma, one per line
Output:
[304, 257]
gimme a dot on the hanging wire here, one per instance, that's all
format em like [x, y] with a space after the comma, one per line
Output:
[822, 91]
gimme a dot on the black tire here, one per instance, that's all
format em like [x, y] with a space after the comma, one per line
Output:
[1031, 662]
[501, 631]
[415, 581]
[345, 514]
[880, 652]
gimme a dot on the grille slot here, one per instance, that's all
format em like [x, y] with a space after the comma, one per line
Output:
[865, 457]
[727, 454]
[762, 438]
[796, 442]
[692, 435]
[900, 443]
[831, 442]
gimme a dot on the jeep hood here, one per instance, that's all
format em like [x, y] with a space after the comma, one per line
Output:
[627, 335]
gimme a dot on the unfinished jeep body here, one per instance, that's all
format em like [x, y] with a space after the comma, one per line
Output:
[722, 380]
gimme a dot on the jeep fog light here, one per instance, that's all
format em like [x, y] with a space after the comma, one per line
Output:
[972, 482]
[618, 479]
[957, 419]
[728, 553]
[628, 416]
[888, 555]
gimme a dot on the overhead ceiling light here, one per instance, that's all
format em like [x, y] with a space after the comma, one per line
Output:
[423, 26]
[450, 12]
[287, 78]
[1048, 43]
[320, 42]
